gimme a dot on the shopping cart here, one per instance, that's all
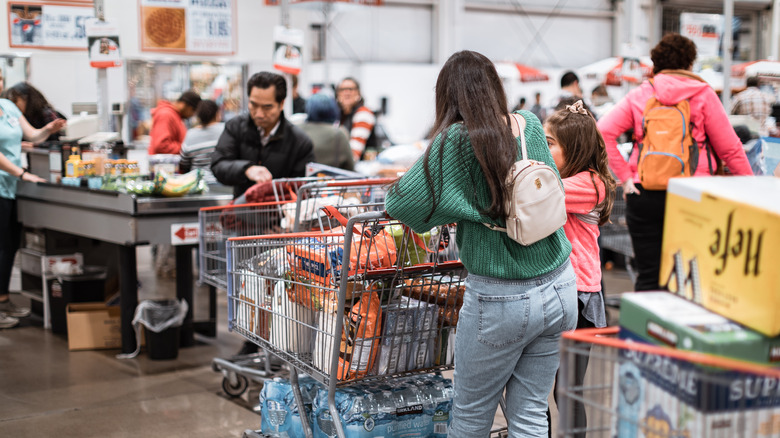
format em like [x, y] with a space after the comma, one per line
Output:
[367, 302]
[290, 210]
[614, 235]
[633, 390]
[361, 194]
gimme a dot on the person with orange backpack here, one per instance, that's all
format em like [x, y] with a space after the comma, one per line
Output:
[681, 130]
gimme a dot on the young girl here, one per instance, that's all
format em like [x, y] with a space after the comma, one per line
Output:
[519, 299]
[581, 157]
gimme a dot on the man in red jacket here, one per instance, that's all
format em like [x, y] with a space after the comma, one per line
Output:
[168, 128]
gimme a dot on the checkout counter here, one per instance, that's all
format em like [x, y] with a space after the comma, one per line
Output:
[126, 221]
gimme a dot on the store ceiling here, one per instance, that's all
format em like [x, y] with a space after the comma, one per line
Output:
[716, 6]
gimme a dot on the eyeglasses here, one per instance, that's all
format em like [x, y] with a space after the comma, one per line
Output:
[346, 89]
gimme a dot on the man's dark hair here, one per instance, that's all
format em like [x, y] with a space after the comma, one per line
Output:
[673, 52]
[265, 80]
[190, 98]
[752, 81]
[295, 80]
[569, 78]
[206, 111]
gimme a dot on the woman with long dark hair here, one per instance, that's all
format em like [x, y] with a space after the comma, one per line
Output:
[519, 299]
[34, 106]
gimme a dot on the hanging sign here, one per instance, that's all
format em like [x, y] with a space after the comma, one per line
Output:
[705, 30]
[188, 26]
[288, 46]
[47, 26]
[103, 43]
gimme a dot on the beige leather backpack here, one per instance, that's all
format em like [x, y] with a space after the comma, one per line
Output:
[536, 207]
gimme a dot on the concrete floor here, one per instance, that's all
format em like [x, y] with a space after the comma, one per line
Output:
[48, 391]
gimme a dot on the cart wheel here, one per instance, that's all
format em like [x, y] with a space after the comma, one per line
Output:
[235, 390]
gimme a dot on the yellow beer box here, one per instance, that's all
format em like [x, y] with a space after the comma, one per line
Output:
[722, 245]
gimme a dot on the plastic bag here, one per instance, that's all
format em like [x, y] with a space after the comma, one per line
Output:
[156, 316]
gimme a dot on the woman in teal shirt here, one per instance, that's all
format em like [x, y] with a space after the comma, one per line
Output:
[13, 126]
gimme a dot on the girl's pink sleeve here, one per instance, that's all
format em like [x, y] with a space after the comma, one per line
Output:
[617, 121]
[580, 192]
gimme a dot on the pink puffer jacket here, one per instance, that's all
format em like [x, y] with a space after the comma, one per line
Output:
[707, 115]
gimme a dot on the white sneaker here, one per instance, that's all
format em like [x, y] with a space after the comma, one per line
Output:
[7, 321]
[11, 309]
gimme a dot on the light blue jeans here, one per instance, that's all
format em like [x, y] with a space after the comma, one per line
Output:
[507, 337]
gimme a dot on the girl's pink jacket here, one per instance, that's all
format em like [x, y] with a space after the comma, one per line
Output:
[707, 115]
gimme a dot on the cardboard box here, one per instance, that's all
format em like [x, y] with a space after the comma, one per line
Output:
[721, 246]
[665, 319]
[656, 396]
[93, 326]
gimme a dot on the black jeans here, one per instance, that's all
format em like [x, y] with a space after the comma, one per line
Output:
[10, 236]
[645, 220]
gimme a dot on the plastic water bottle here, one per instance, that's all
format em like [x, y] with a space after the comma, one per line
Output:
[769, 128]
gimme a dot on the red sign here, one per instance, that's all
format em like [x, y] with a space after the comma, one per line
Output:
[185, 234]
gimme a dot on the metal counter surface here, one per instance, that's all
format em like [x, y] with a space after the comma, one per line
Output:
[127, 221]
[110, 216]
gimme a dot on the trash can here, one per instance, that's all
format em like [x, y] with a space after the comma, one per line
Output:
[74, 288]
[162, 320]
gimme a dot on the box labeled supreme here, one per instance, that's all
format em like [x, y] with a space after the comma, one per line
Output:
[660, 396]
[721, 245]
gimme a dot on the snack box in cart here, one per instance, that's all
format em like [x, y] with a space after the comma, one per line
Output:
[722, 244]
[665, 319]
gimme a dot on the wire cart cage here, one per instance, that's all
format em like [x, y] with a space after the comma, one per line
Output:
[294, 205]
[366, 301]
[634, 390]
[614, 235]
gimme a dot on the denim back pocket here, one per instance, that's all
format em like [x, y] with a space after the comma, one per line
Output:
[567, 294]
[503, 320]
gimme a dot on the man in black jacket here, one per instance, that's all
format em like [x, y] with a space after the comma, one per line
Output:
[261, 145]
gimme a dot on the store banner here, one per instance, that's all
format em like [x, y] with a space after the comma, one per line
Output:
[706, 31]
[103, 44]
[41, 25]
[288, 47]
[188, 26]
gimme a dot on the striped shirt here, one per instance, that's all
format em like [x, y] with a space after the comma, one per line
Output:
[196, 150]
[363, 122]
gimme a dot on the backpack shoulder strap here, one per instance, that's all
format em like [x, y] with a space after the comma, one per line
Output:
[520, 129]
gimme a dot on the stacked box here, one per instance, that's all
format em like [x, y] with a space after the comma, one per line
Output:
[681, 398]
[666, 319]
[721, 245]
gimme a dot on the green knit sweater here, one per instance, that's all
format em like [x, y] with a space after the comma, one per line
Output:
[462, 191]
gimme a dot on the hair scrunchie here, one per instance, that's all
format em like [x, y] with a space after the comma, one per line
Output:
[577, 108]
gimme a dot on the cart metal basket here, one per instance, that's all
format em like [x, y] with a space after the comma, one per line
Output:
[367, 301]
[614, 235]
[634, 390]
[290, 211]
